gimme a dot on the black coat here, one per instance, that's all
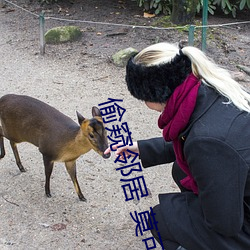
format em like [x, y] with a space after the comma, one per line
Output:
[216, 145]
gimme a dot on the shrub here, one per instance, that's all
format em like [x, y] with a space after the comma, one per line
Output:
[157, 6]
[165, 6]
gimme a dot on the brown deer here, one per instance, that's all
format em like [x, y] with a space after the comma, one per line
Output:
[59, 138]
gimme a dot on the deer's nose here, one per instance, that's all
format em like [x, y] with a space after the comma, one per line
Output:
[106, 156]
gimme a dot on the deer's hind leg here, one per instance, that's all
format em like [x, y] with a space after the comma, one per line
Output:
[16, 154]
[1, 144]
[71, 168]
[48, 164]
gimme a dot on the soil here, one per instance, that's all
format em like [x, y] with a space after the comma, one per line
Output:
[77, 76]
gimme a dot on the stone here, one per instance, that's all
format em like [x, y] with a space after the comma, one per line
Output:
[63, 34]
[2, 3]
[239, 76]
[121, 58]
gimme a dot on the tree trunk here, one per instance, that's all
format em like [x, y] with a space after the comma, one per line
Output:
[183, 11]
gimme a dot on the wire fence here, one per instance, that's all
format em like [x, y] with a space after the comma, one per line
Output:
[191, 28]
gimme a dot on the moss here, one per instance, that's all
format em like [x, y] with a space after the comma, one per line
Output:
[121, 58]
[63, 34]
[163, 22]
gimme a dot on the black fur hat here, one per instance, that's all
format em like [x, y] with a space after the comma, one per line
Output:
[156, 83]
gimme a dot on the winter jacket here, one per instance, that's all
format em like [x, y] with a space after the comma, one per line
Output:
[216, 145]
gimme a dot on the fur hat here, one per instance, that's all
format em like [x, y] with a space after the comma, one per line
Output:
[156, 83]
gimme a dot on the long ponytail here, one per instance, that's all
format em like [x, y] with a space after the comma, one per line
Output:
[218, 78]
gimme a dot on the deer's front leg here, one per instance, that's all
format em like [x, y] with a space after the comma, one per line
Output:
[71, 168]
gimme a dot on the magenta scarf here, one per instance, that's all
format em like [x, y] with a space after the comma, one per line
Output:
[174, 119]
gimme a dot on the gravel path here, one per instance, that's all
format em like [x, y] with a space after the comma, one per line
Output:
[70, 79]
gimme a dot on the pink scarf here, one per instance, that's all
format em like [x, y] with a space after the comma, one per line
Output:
[174, 119]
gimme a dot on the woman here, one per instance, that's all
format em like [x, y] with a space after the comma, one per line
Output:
[205, 118]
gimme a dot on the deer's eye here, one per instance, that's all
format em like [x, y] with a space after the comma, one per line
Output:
[91, 136]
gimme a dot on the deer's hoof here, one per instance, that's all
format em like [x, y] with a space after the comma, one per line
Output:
[82, 198]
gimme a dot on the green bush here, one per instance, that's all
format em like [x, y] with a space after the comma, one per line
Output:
[227, 6]
[211, 7]
[232, 6]
[156, 6]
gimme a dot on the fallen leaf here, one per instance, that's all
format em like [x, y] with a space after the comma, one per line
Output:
[58, 227]
[147, 15]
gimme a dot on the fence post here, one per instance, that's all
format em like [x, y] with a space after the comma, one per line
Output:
[191, 35]
[42, 31]
[204, 24]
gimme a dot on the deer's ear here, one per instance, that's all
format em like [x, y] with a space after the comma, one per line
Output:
[96, 111]
[80, 118]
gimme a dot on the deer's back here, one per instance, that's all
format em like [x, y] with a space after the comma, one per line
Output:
[24, 118]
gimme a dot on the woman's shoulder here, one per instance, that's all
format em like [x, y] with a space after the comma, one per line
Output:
[216, 117]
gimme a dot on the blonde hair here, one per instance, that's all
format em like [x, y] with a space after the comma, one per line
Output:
[202, 67]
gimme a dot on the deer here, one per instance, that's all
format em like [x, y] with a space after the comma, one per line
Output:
[58, 138]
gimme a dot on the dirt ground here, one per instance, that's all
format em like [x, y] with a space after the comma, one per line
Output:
[77, 76]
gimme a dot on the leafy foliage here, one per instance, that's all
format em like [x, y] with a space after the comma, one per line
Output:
[226, 6]
[244, 3]
[232, 6]
[157, 6]
[165, 6]
[211, 7]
